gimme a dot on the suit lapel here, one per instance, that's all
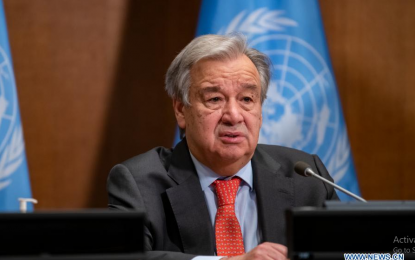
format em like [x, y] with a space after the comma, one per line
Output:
[189, 206]
[275, 194]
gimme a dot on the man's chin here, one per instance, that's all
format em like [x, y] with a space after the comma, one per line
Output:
[233, 154]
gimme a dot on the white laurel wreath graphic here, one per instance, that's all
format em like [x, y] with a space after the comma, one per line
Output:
[12, 157]
[339, 162]
[262, 21]
[259, 21]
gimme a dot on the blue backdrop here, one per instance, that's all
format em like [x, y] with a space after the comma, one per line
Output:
[302, 109]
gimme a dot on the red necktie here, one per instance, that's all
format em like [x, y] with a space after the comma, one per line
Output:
[229, 241]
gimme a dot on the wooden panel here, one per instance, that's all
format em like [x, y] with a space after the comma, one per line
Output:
[90, 81]
[372, 49]
[63, 78]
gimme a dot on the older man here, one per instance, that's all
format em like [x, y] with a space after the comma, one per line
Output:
[217, 193]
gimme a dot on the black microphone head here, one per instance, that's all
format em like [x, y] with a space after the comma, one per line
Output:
[301, 167]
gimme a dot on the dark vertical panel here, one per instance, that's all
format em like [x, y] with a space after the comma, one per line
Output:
[140, 114]
[372, 49]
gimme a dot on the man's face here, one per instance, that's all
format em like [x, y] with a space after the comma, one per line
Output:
[223, 121]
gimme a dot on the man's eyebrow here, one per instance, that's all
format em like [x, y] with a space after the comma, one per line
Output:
[209, 89]
[250, 86]
[214, 89]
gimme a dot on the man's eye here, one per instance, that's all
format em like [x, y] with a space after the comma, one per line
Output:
[215, 99]
[247, 99]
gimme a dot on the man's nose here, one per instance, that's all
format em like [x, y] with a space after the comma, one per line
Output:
[232, 113]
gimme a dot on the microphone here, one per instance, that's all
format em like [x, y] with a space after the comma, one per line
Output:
[305, 170]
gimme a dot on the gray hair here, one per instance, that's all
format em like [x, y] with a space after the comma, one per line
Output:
[215, 47]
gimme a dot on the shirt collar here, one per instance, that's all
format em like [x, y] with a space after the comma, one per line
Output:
[207, 176]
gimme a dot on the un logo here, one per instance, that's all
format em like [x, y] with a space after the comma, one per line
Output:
[298, 112]
[301, 110]
[11, 138]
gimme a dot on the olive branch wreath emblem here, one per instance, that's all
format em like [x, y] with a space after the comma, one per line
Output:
[262, 21]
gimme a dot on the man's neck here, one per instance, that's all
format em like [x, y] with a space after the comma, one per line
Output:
[228, 169]
[224, 168]
[207, 176]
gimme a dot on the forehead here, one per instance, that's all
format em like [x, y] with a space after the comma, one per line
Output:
[217, 72]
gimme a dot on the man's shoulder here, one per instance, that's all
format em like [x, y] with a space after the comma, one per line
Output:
[285, 157]
[281, 151]
[156, 158]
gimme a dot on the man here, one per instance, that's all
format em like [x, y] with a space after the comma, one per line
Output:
[218, 86]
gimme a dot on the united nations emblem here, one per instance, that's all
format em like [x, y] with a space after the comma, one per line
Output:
[11, 137]
[301, 110]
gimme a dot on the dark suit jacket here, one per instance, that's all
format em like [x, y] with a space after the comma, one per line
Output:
[164, 183]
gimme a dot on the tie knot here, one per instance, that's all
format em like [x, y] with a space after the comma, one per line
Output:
[226, 190]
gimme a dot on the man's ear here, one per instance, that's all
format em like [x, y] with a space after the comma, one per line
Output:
[178, 107]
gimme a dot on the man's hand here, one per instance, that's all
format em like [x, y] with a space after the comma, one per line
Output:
[264, 251]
